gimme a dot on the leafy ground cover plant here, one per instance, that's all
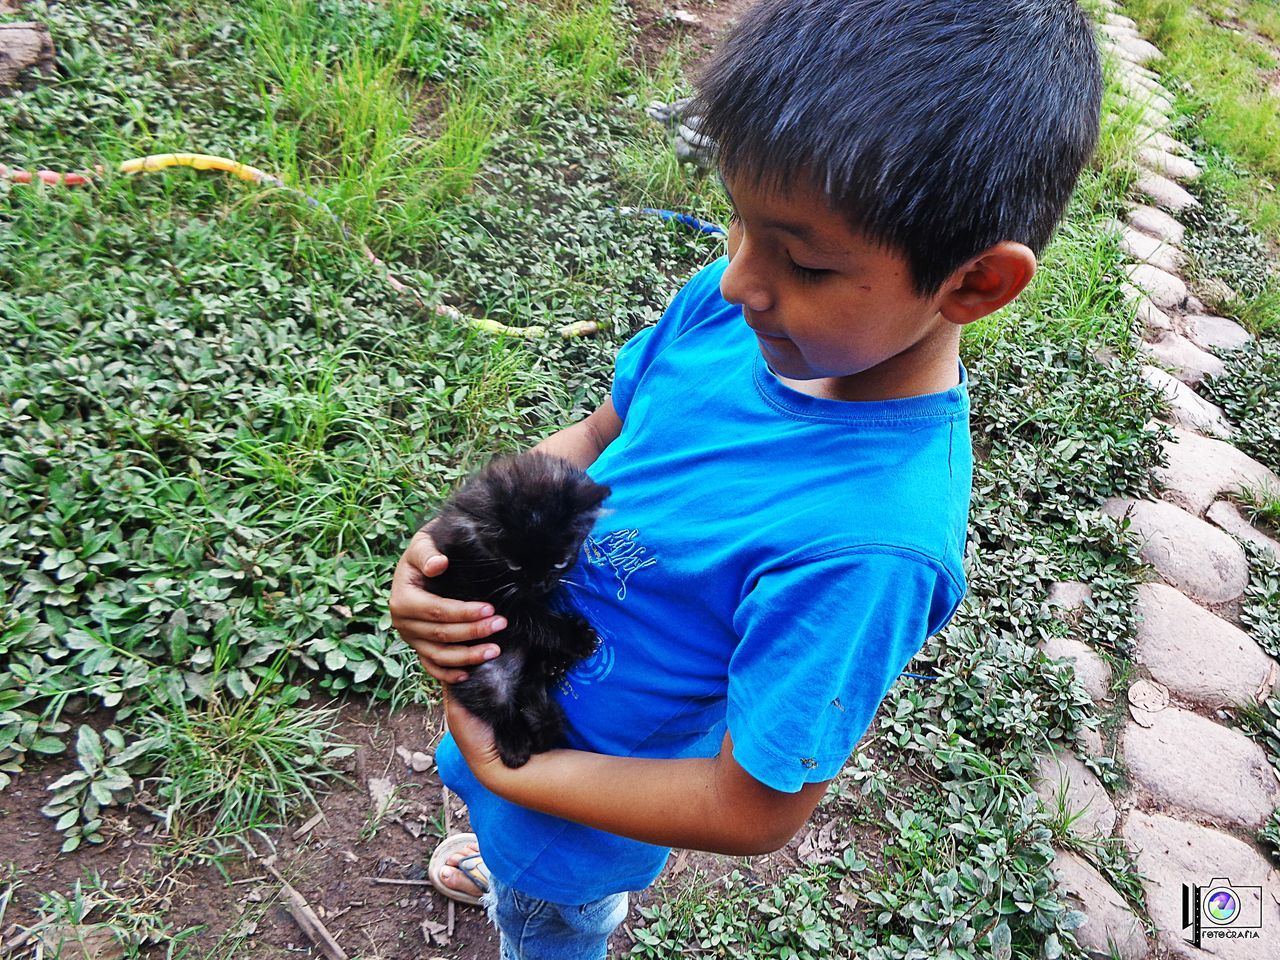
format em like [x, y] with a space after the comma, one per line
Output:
[223, 423]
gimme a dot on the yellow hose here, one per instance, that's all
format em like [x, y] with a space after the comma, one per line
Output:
[205, 161]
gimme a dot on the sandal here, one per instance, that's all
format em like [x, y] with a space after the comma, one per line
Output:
[471, 866]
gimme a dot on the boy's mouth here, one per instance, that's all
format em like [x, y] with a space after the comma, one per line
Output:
[758, 332]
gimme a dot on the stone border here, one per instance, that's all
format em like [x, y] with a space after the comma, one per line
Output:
[1200, 789]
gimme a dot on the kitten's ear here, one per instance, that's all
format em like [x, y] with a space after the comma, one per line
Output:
[590, 495]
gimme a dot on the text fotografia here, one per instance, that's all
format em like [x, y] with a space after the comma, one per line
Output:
[1221, 910]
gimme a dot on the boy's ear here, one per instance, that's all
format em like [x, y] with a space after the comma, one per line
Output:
[987, 282]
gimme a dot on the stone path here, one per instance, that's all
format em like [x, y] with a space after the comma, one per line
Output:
[1199, 788]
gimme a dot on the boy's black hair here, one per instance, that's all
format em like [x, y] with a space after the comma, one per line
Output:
[937, 127]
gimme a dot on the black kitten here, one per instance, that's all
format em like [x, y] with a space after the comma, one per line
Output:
[511, 533]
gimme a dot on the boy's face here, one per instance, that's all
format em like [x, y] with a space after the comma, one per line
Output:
[835, 314]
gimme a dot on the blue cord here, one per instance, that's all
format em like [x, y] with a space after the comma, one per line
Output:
[687, 219]
[918, 676]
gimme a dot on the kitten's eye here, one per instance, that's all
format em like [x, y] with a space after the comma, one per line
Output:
[513, 567]
[561, 566]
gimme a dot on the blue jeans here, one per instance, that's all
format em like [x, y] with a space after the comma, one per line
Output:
[533, 929]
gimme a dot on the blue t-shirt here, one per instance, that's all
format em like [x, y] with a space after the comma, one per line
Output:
[767, 560]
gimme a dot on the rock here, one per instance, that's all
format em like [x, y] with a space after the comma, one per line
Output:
[1201, 470]
[1166, 290]
[1168, 165]
[1111, 924]
[420, 762]
[668, 114]
[1227, 515]
[1092, 672]
[1202, 767]
[1141, 112]
[1217, 291]
[1128, 66]
[1147, 249]
[1139, 85]
[1143, 78]
[1186, 407]
[1151, 95]
[1069, 595]
[1156, 223]
[1118, 21]
[1119, 31]
[1165, 193]
[1084, 793]
[1188, 362]
[1154, 321]
[24, 47]
[1090, 742]
[692, 147]
[1215, 333]
[1171, 853]
[1198, 559]
[1196, 655]
[1136, 50]
[1154, 137]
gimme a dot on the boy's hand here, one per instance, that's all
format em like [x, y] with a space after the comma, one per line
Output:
[436, 626]
[475, 741]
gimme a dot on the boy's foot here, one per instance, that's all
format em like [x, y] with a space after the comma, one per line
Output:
[457, 870]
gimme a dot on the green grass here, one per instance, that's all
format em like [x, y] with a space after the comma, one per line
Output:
[1232, 108]
[229, 766]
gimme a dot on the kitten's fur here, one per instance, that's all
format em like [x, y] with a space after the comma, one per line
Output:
[511, 533]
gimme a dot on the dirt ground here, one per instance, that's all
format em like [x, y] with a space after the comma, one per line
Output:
[363, 874]
[702, 25]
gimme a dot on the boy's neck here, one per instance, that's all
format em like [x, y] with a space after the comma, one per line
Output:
[931, 366]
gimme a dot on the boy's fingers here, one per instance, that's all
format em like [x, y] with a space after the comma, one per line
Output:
[478, 618]
[422, 554]
[444, 676]
[434, 565]
[447, 655]
[412, 600]
[429, 631]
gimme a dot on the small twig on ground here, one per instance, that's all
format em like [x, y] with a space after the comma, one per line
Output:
[400, 883]
[307, 827]
[18, 942]
[261, 876]
[306, 918]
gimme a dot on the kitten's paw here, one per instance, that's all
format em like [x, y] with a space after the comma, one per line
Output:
[514, 757]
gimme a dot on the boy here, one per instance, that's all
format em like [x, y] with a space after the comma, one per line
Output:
[788, 450]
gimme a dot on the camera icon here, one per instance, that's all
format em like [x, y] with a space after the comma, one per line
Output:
[1221, 910]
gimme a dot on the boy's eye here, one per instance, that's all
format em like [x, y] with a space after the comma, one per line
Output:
[807, 273]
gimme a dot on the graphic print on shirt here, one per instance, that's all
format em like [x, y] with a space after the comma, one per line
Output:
[620, 552]
[593, 669]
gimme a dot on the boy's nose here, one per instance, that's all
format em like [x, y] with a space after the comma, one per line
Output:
[740, 285]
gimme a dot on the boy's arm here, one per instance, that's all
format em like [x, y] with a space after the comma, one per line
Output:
[695, 803]
[582, 442]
